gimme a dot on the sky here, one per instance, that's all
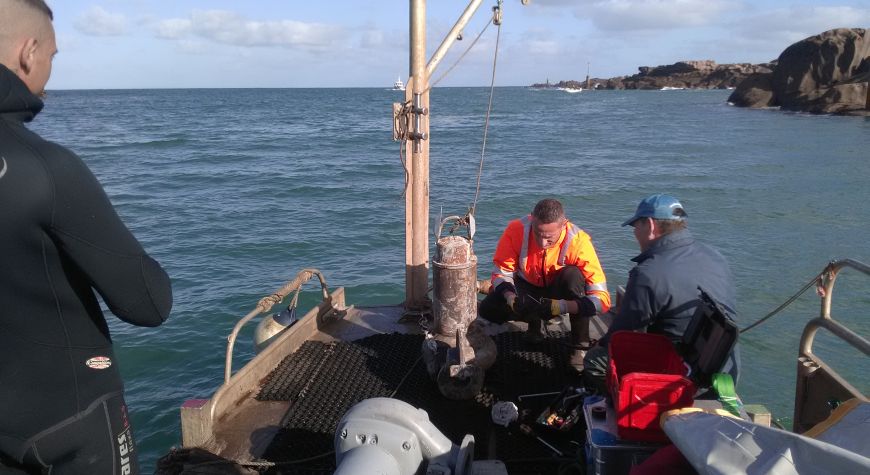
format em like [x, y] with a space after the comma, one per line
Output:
[129, 44]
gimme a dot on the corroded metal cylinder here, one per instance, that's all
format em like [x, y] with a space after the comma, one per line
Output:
[457, 351]
[454, 280]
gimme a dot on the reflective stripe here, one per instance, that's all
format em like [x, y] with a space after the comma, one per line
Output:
[524, 248]
[569, 236]
[602, 286]
[597, 301]
[504, 272]
[503, 276]
[498, 281]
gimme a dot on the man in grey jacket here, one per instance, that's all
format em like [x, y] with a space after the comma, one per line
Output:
[662, 291]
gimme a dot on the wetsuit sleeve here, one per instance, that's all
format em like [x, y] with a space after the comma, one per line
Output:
[635, 309]
[91, 234]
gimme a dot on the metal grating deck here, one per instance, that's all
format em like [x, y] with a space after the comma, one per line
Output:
[323, 380]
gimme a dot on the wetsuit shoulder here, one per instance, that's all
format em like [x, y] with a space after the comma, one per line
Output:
[83, 220]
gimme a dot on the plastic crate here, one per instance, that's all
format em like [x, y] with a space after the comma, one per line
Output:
[606, 454]
[646, 377]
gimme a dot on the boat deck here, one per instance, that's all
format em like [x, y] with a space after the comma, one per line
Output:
[371, 352]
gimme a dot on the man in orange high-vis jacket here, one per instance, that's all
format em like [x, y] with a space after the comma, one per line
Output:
[546, 266]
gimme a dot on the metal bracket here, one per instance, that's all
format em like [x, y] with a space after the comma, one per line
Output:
[402, 113]
[497, 14]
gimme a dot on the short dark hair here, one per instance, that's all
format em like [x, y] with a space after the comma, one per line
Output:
[548, 211]
[40, 6]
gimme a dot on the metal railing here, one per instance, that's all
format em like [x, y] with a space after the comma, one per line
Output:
[819, 387]
[265, 304]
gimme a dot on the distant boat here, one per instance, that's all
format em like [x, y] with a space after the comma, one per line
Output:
[571, 90]
[671, 88]
[398, 85]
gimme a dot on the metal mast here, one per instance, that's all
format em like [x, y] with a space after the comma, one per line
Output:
[417, 151]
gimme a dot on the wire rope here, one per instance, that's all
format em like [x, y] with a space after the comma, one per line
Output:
[473, 206]
[786, 303]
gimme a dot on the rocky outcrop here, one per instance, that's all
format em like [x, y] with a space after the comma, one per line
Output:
[690, 75]
[704, 74]
[824, 74]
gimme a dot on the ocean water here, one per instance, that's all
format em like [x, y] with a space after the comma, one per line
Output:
[235, 191]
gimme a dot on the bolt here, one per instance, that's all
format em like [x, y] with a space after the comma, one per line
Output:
[406, 446]
[373, 440]
[361, 438]
[344, 434]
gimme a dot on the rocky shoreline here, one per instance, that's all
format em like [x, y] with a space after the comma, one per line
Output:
[705, 74]
[824, 74]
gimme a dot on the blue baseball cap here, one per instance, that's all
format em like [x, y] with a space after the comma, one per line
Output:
[658, 206]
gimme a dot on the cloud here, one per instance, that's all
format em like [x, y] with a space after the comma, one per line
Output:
[623, 15]
[231, 28]
[372, 39]
[173, 28]
[541, 42]
[634, 15]
[559, 3]
[788, 25]
[544, 47]
[98, 22]
[192, 46]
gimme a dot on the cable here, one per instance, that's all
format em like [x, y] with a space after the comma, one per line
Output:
[404, 166]
[786, 303]
[486, 122]
[458, 60]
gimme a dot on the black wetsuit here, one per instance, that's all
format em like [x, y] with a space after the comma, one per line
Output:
[61, 395]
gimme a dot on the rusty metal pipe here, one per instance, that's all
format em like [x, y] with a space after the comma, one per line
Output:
[454, 280]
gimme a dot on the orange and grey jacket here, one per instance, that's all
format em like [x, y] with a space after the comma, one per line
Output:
[519, 256]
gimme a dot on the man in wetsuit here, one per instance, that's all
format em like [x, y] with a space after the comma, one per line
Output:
[62, 408]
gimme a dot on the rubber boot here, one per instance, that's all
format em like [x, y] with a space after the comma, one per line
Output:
[579, 341]
[535, 333]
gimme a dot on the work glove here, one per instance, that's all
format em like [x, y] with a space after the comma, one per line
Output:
[550, 308]
[544, 309]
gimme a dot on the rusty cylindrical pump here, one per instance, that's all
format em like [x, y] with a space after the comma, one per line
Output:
[456, 350]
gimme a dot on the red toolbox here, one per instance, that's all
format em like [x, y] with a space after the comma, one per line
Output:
[646, 377]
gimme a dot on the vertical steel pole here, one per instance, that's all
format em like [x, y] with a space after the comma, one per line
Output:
[417, 218]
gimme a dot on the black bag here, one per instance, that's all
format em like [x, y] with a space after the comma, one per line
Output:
[708, 340]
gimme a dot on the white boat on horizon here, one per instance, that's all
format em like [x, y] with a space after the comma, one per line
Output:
[672, 88]
[398, 85]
